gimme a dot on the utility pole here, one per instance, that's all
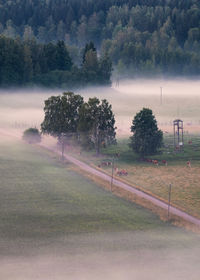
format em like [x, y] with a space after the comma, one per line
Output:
[62, 146]
[111, 182]
[63, 149]
[161, 96]
[169, 200]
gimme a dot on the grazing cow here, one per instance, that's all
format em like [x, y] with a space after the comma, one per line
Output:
[189, 163]
[122, 172]
[105, 163]
[164, 162]
[154, 161]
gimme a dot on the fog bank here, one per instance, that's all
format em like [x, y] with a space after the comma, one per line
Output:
[114, 256]
[180, 99]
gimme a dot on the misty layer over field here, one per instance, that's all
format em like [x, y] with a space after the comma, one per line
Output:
[127, 256]
[180, 99]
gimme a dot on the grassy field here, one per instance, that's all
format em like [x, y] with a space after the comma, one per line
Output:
[156, 179]
[56, 224]
[40, 197]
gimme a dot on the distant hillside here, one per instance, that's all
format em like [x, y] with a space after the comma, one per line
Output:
[141, 36]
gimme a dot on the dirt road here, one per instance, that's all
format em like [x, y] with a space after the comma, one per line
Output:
[133, 190]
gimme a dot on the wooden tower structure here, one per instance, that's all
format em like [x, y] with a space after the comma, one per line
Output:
[178, 134]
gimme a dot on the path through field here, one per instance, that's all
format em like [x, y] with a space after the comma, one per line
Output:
[130, 189]
[116, 182]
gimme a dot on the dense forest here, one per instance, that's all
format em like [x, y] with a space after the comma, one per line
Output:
[140, 36]
[26, 63]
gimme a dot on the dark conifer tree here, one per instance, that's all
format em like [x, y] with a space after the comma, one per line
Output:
[63, 60]
[87, 48]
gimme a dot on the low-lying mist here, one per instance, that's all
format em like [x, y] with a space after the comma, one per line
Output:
[112, 256]
[180, 99]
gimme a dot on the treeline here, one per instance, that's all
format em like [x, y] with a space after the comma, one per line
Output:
[28, 62]
[91, 125]
[141, 36]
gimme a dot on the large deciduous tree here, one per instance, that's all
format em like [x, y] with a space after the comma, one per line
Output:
[147, 138]
[61, 114]
[97, 124]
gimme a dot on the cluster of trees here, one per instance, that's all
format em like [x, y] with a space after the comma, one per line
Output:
[91, 124]
[143, 36]
[28, 62]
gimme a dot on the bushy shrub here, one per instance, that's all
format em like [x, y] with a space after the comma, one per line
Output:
[32, 136]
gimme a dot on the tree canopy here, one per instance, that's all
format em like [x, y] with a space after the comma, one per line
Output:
[97, 124]
[147, 138]
[146, 36]
[91, 123]
[61, 114]
[25, 63]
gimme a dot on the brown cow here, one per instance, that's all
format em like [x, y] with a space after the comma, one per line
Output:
[122, 172]
[154, 161]
[189, 163]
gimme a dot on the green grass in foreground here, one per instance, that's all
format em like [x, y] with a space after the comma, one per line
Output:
[41, 197]
[44, 204]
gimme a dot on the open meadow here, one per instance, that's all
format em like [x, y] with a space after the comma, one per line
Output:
[155, 179]
[56, 224]
[180, 99]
